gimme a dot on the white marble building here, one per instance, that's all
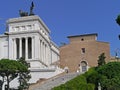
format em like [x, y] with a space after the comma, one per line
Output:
[29, 37]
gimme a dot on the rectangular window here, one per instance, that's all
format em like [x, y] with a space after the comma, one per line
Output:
[83, 50]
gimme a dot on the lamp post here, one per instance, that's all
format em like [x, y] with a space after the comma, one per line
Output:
[117, 53]
[116, 56]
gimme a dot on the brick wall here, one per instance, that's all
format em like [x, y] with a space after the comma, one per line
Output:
[71, 54]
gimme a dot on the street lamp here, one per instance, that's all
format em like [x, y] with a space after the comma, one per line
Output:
[116, 56]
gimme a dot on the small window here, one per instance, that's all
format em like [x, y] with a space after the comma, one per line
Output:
[83, 50]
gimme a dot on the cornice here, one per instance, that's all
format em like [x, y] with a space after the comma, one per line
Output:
[27, 19]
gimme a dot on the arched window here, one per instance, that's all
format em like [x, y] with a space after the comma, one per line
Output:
[84, 66]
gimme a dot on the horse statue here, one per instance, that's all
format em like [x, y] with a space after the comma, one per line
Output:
[22, 13]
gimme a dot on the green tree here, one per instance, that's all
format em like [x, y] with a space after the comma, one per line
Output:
[92, 76]
[101, 60]
[9, 70]
[24, 76]
[78, 83]
[109, 76]
[118, 20]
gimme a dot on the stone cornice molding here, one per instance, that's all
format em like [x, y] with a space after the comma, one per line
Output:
[27, 19]
[2, 36]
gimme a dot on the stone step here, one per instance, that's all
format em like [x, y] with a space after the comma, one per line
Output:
[55, 81]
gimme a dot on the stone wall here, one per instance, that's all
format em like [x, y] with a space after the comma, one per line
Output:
[71, 55]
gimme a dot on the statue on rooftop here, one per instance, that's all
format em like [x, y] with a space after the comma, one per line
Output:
[31, 9]
[23, 13]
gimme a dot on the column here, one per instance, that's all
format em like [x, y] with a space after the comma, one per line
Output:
[45, 54]
[43, 51]
[20, 47]
[33, 43]
[40, 51]
[26, 48]
[14, 48]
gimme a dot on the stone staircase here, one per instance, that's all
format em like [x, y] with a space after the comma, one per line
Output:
[55, 81]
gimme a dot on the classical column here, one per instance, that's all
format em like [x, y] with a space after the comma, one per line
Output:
[33, 45]
[43, 51]
[40, 51]
[45, 54]
[38, 48]
[26, 48]
[14, 48]
[20, 47]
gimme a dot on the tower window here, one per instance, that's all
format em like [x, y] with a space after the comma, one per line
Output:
[82, 50]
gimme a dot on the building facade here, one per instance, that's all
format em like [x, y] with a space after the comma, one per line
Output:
[29, 37]
[82, 52]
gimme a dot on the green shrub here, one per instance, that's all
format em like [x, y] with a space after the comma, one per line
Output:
[78, 83]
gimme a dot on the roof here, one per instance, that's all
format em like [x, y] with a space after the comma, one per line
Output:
[83, 35]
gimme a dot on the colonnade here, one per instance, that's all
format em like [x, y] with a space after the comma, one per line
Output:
[44, 52]
[23, 47]
[29, 48]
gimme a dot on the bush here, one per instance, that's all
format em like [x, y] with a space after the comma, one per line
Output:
[78, 83]
[109, 76]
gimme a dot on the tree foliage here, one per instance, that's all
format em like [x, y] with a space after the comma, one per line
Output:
[24, 76]
[107, 75]
[9, 70]
[78, 83]
[118, 20]
[101, 60]
[110, 76]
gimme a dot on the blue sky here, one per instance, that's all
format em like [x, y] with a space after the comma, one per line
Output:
[70, 17]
